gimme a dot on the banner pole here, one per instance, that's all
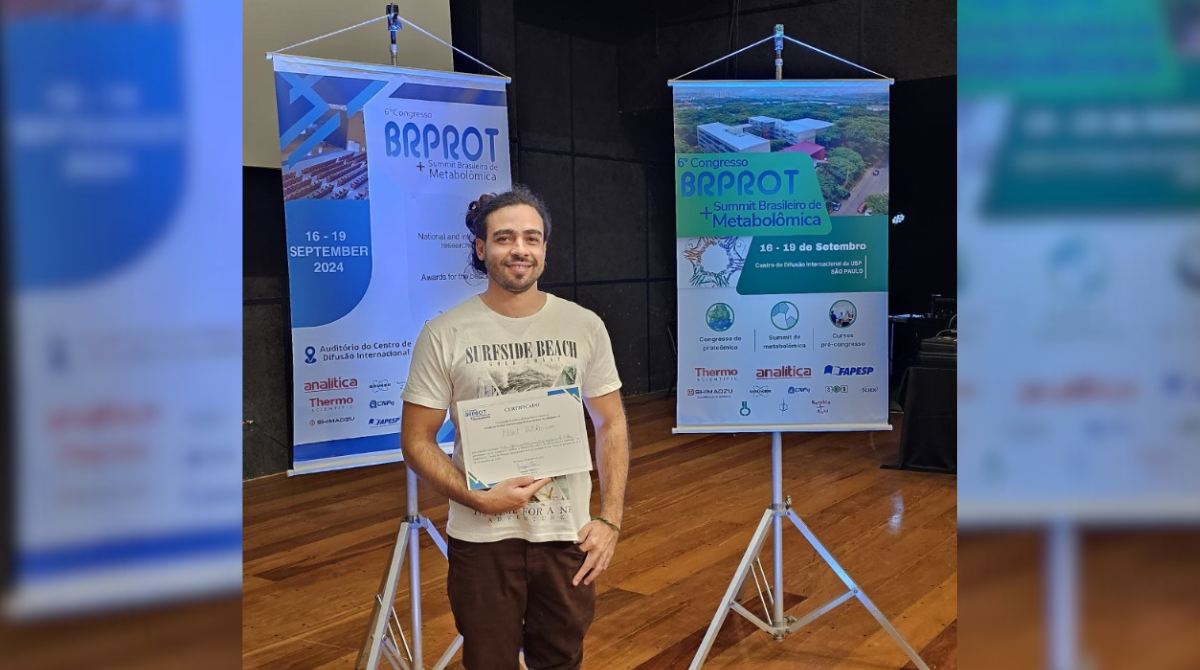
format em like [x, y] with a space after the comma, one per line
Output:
[778, 52]
[394, 26]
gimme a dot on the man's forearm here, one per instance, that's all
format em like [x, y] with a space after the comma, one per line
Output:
[435, 467]
[612, 445]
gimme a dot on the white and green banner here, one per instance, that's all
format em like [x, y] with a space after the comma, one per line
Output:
[781, 218]
[379, 165]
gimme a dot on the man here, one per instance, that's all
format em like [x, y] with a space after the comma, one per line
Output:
[524, 555]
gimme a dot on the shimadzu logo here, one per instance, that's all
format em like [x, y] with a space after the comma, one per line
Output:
[848, 372]
[475, 414]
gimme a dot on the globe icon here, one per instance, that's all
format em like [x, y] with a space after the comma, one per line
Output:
[719, 317]
[784, 315]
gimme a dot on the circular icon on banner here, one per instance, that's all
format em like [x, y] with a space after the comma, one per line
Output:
[843, 313]
[719, 317]
[745, 410]
[784, 315]
[310, 355]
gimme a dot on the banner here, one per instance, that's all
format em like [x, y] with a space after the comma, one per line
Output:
[125, 352]
[781, 219]
[379, 164]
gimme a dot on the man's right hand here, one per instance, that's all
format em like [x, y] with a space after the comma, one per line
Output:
[509, 495]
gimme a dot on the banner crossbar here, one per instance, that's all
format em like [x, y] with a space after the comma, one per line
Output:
[271, 54]
[790, 39]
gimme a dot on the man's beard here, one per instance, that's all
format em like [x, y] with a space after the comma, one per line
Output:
[503, 276]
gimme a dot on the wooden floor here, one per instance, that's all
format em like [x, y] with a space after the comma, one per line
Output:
[316, 546]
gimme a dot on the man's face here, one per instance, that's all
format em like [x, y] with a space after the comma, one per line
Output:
[515, 248]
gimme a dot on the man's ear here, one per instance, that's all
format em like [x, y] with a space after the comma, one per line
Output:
[478, 248]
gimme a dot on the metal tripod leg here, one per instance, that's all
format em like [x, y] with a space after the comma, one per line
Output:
[781, 626]
[380, 642]
[856, 591]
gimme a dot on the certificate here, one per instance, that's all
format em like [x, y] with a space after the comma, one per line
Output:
[531, 434]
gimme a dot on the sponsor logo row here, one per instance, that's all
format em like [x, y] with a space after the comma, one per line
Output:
[782, 372]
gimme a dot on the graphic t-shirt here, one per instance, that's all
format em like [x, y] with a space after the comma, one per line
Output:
[472, 352]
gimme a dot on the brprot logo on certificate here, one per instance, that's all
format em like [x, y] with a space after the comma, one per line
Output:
[531, 434]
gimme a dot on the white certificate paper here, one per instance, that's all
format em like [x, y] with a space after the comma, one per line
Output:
[533, 434]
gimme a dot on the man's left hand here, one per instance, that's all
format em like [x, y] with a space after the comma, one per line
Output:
[599, 540]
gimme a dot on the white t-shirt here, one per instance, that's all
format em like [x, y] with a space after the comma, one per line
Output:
[466, 353]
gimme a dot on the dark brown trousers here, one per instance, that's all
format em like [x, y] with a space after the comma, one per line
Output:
[513, 594]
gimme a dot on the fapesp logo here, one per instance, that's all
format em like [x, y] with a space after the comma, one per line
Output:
[840, 371]
[390, 421]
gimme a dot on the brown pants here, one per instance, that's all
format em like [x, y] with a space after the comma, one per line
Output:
[511, 594]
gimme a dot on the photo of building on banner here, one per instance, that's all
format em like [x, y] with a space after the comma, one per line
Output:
[781, 220]
[379, 164]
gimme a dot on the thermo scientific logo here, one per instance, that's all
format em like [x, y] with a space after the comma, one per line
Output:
[331, 384]
[840, 371]
[707, 374]
[324, 404]
[783, 372]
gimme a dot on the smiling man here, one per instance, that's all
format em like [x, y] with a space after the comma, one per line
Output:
[524, 554]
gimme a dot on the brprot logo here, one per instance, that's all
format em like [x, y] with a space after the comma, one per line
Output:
[837, 389]
[380, 385]
[331, 384]
[711, 393]
[722, 373]
[390, 421]
[382, 403]
[848, 371]
[318, 404]
[784, 372]
[799, 389]
[760, 391]
[474, 414]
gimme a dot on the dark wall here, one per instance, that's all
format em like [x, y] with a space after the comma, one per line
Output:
[591, 126]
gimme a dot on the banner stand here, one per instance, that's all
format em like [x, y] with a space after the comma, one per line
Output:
[385, 634]
[385, 638]
[781, 625]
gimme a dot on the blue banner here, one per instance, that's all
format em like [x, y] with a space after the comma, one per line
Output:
[379, 164]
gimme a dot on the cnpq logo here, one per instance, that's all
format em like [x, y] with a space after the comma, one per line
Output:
[840, 371]
[375, 404]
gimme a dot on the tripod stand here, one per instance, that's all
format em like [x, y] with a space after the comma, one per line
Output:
[781, 626]
[385, 635]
